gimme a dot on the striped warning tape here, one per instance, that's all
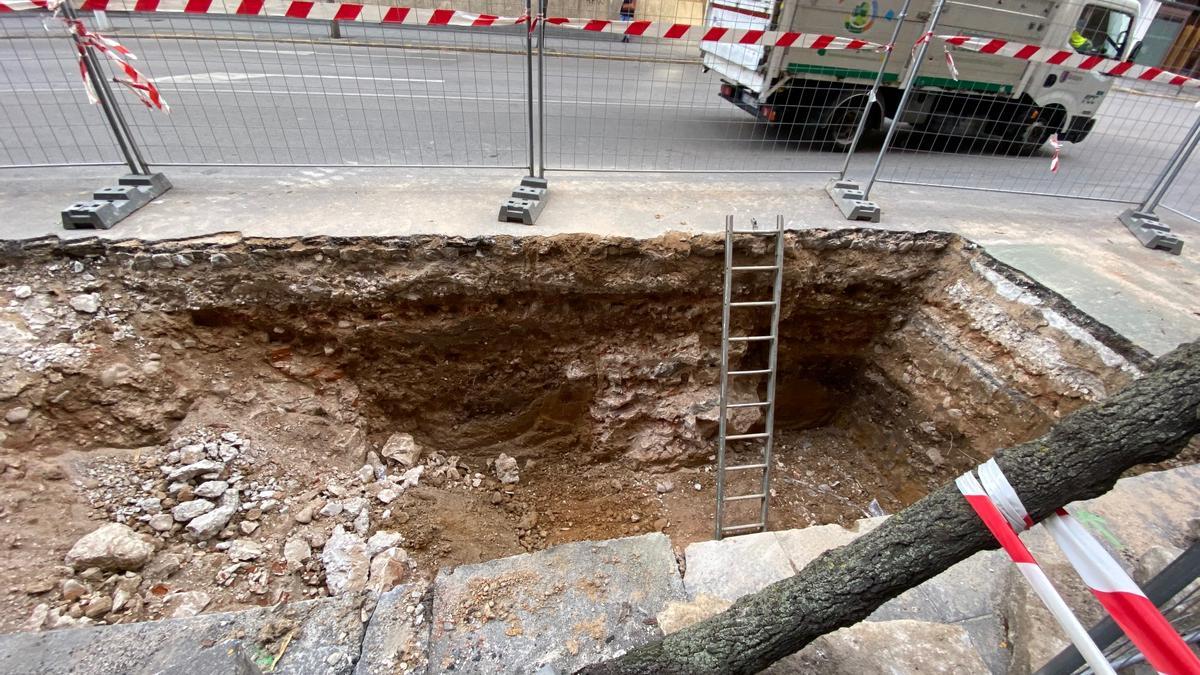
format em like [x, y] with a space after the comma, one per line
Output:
[1069, 59]
[353, 12]
[1028, 566]
[1146, 627]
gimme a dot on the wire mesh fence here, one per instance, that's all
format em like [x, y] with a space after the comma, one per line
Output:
[993, 126]
[45, 117]
[619, 102]
[271, 91]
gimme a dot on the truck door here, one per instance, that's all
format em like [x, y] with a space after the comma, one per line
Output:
[738, 63]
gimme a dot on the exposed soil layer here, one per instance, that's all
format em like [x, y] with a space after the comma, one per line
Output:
[594, 362]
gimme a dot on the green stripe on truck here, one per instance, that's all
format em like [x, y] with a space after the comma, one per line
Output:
[834, 71]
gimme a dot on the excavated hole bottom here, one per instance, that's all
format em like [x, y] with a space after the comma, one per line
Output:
[903, 360]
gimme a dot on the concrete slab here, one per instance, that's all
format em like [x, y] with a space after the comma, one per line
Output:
[323, 636]
[733, 567]
[397, 636]
[893, 647]
[563, 607]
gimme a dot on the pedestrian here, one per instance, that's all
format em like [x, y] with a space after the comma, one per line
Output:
[628, 7]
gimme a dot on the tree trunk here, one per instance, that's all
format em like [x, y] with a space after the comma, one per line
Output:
[1079, 458]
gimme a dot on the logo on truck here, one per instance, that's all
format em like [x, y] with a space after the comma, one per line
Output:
[862, 17]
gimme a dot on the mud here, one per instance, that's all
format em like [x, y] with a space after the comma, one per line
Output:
[904, 359]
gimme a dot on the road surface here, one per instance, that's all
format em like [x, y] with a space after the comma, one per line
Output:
[283, 92]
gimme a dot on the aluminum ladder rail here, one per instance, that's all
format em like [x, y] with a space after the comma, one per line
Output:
[766, 437]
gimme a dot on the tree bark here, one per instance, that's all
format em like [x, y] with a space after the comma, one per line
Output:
[1079, 458]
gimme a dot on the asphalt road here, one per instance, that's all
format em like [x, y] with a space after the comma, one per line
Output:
[280, 92]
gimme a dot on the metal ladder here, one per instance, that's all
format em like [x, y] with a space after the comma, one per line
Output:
[765, 439]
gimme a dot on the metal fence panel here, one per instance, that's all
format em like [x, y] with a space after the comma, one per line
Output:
[45, 118]
[649, 104]
[271, 91]
[958, 134]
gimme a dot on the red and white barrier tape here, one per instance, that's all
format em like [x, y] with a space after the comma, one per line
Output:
[1069, 59]
[139, 84]
[21, 5]
[305, 9]
[1057, 146]
[950, 64]
[1146, 627]
[1029, 568]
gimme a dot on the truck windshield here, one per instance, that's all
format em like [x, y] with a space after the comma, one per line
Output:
[1101, 31]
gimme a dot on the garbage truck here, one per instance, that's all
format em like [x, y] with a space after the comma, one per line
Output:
[820, 95]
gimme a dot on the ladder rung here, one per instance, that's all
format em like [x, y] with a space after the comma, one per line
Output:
[753, 268]
[736, 528]
[751, 338]
[740, 437]
[743, 498]
[753, 404]
[740, 467]
[776, 231]
[753, 303]
[763, 371]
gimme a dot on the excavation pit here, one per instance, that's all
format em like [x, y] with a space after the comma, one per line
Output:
[904, 358]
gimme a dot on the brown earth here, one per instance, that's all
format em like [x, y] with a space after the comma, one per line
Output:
[904, 359]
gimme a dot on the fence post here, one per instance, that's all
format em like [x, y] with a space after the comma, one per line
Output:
[1141, 220]
[854, 202]
[528, 198]
[111, 205]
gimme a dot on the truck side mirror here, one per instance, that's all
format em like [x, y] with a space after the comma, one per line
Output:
[1137, 48]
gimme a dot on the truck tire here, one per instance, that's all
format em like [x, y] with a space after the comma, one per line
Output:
[840, 125]
[1035, 134]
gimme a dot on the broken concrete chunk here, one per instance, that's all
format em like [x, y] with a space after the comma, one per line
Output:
[402, 449]
[506, 471]
[195, 469]
[186, 511]
[111, 547]
[347, 565]
[210, 524]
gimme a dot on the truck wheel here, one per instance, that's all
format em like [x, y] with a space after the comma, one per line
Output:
[1036, 133]
[839, 128]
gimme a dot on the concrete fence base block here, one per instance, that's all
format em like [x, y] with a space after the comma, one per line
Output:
[1151, 231]
[852, 202]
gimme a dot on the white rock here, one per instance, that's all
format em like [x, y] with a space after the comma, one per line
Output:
[212, 489]
[366, 474]
[296, 551]
[248, 527]
[242, 550]
[37, 618]
[190, 471]
[111, 547]
[17, 415]
[506, 471]
[331, 509]
[22, 292]
[362, 524]
[188, 604]
[354, 505]
[162, 522]
[347, 565]
[410, 477]
[402, 449]
[88, 303]
[186, 511]
[210, 524]
[383, 540]
[664, 486]
[190, 454]
[150, 504]
[387, 495]
[117, 373]
[388, 568]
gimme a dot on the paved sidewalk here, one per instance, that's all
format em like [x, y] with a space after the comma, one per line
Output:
[1074, 247]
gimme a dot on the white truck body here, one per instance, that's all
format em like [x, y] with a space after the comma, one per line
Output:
[758, 74]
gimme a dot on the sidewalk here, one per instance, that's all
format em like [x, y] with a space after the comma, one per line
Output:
[1075, 247]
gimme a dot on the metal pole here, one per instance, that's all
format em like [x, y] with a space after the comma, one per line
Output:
[873, 95]
[529, 77]
[108, 102]
[112, 113]
[727, 294]
[1166, 585]
[542, 89]
[909, 83]
[1171, 171]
